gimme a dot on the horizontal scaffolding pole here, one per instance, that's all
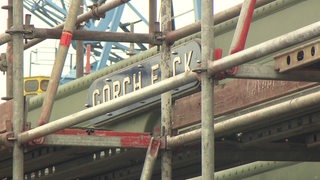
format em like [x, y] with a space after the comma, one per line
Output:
[97, 36]
[245, 171]
[100, 10]
[263, 49]
[4, 38]
[77, 137]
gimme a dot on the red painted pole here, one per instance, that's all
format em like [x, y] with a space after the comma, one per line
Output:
[241, 32]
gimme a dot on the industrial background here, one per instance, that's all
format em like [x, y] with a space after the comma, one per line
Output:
[147, 90]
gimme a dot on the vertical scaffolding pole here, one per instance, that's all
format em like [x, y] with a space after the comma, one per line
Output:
[166, 98]
[18, 99]
[207, 123]
[9, 83]
[152, 17]
[88, 56]
[79, 48]
[65, 41]
[131, 49]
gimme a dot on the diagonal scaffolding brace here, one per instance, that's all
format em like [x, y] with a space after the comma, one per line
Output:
[151, 158]
[65, 41]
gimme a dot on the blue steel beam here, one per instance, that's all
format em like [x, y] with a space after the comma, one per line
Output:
[47, 10]
[138, 13]
[108, 45]
[197, 9]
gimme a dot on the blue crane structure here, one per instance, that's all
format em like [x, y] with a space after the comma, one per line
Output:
[53, 12]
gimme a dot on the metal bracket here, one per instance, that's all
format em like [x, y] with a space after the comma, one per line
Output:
[7, 7]
[164, 142]
[7, 139]
[37, 141]
[228, 73]
[199, 70]
[95, 11]
[13, 31]
[158, 36]
[28, 31]
[299, 57]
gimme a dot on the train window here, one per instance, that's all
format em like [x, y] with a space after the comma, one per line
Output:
[44, 85]
[35, 85]
[31, 85]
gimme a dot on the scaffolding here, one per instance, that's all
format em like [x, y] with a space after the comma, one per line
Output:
[213, 67]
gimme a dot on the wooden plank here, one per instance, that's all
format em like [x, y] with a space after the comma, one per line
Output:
[232, 96]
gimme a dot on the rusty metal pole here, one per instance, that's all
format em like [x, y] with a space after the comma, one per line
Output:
[65, 41]
[166, 98]
[9, 74]
[131, 49]
[79, 58]
[4, 38]
[152, 17]
[207, 122]
[97, 36]
[79, 48]
[18, 98]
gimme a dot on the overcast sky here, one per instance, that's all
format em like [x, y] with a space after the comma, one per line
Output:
[219, 6]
